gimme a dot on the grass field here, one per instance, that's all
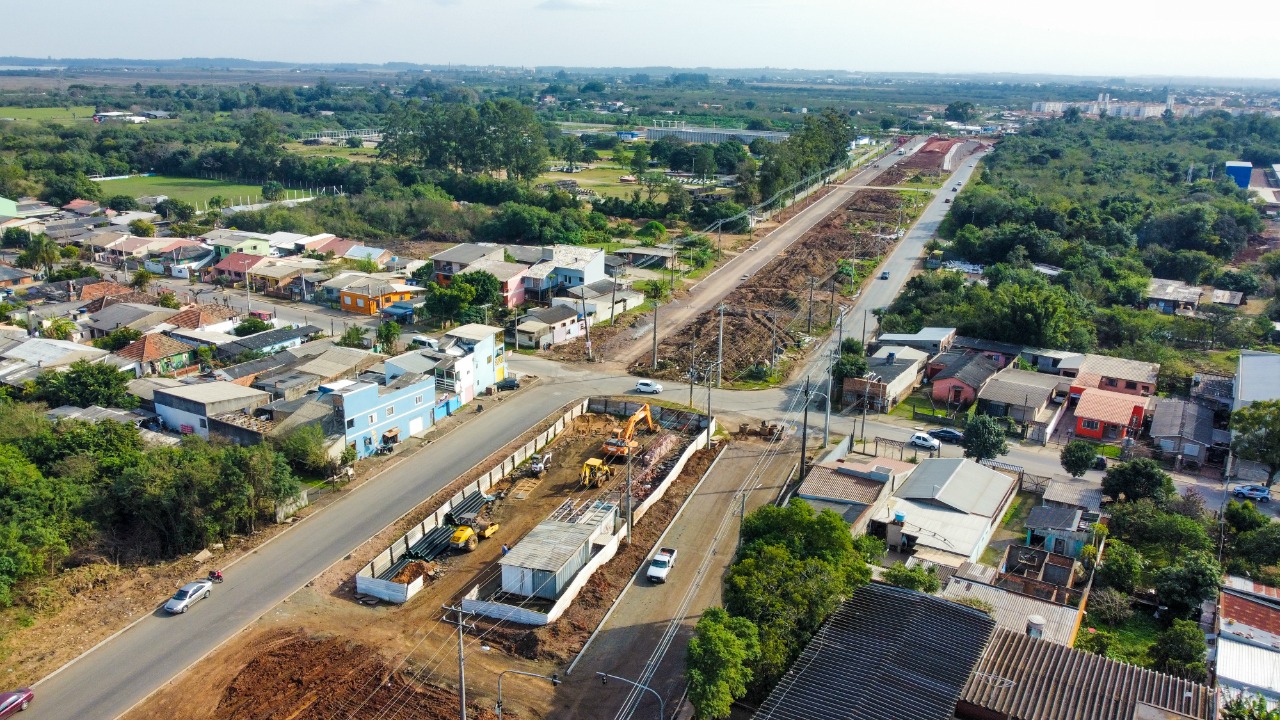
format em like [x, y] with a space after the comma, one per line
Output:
[335, 151]
[192, 190]
[79, 112]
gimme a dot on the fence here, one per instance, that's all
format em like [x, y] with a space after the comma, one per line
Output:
[502, 611]
[289, 506]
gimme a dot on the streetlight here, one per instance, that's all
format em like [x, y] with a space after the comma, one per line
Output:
[662, 706]
[554, 678]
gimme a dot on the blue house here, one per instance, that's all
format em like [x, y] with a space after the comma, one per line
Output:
[378, 409]
[1240, 172]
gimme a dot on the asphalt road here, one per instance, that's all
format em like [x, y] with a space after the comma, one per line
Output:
[109, 680]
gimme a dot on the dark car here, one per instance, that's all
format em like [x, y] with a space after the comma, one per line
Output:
[950, 435]
[510, 383]
[12, 703]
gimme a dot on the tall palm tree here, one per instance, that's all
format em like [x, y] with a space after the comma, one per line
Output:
[59, 328]
[41, 252]
[142, 280]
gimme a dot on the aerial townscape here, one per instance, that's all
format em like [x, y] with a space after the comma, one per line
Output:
[568, 359]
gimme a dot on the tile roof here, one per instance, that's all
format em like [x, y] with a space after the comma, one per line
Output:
[1025, 678]
[99, 289]
[149, 348]
[892, 653]
[1109, 407]
[827, 483]
[1120, 368]
[194, 317]
[133, 296]
[238, 262]
[973, 370]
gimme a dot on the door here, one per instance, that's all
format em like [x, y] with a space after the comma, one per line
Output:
[415, 426]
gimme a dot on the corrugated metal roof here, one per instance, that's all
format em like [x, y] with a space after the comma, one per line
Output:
[1242, 664]
[548, 546]
[1011, 610]
[1175, 418]
[1043, 517]
[1078, 493]
[887, 653]
[958, 483]
[1020, 387]
[1235, 582]
[1024, 678]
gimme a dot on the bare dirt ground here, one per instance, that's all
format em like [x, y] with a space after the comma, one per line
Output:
[320, 654]
[771, 308]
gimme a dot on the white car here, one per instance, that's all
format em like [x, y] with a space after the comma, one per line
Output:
[648, 386]
[923, 440]
[188, 595]
[1252, 492]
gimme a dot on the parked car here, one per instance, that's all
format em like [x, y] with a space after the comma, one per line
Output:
[1253, 492]
[648, 386]
[947, 435]
[923, 440]
[946, 200]
[884, 275]
[661, 564]
[1099, 462]
[187, 596]
[511, 383]
[14, 702]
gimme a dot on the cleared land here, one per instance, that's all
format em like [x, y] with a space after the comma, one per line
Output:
[192, 190]
[342, 152]
[76, 112]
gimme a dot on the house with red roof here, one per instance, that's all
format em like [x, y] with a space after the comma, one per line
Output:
[234, 268]
[158, 354]
[1106, 415]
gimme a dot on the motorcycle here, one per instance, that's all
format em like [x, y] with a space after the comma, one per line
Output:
[215, 576]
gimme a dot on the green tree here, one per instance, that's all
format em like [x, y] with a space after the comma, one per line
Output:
[367, 265]
[959, 111]
[142, 279]
[1243, 517]
[1121, 567]
[1110, 607]
[388, 337]
[353, 337]
[984, 438]
[640, 161]
[168, 300]
[17, 237]
[118, 339]
[142, 228]
[921, 578]
[488, 290]
[718, 662]
[870, 547]
[122, 203]
[272, 190]
[1182, 587]
[1260, 547]
[848, 366]
[41, 253]
[1239, 707]
[570, 149]
[251, 326]
[446, 302]
[1077, 457]
[1180, 650]
[1257, 439]
[355, 142]
[304, 449]
[85, 384]
[1137, 479]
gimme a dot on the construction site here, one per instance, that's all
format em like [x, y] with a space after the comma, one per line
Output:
[332, 650]
[937, 158]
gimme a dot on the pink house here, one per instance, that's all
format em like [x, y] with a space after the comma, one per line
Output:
[958, 383]
[510, 277]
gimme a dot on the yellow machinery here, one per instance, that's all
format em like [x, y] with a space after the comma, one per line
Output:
[594, 473]
[470, 531]
[620, 443]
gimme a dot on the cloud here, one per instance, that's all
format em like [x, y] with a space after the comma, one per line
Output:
[573, 5]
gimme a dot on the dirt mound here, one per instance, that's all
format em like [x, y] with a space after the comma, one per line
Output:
[296, 675]
[415, 570]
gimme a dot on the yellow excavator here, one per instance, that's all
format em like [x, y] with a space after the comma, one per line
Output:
[594, 473]
[620, 443]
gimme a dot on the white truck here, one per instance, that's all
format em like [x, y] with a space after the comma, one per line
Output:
[661, 565]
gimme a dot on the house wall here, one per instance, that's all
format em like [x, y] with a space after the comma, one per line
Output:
[1188, 448]
[952, 391]
[365, 305]
[184, 421]
[1128, 387]
[367, 415]
[513, 291]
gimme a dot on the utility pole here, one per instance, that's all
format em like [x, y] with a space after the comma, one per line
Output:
[831, 388]
[693, 366]
[866, 314]
[462, 624]
[812, 281]
[586, 323]
[656, 302]
[804, 429]
[629, 496]
[720, 350]
[831, 308]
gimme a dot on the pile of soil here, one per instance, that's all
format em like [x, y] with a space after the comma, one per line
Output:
[415, 570]
[298, 675]
[562, 640]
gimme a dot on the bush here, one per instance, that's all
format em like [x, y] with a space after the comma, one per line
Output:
[1110, 607]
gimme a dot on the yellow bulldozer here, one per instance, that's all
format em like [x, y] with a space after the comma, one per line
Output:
[594, 473]
[621, 443]
[470, 531]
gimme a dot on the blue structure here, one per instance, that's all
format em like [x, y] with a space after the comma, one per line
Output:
[1240, 172]
[379, 409]
[628, 135]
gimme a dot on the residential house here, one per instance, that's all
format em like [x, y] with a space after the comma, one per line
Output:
[1172, 297]
[562, 267]
[1228, 298]
[22, 360]
[99, 243]
[179, 259]
[510, 279]
[33, 226]
[143, 318]
[189, 408]
[946, 511]
[614, 266]
[892, 373]
[1248, 629]
[1106, 416]
[285, 243]
[369, 295]
[459, 258]
[1014, 611]
[15, 277]
[275, 277]
[131, 249]
[157, 354]
[305, 373]
[853, 488]
[466, 362]
[1021, 395]
[123, 220]
[378, 256]
[484, 345]
[201, 338]
[1063, 531]
[327, 246]
[957, 383]
[1185, 429]
[545, 327]
[380, 409]
[1042, 573]
[208, 318]
[1003, 353]
[133, 296]
[886, 653]
[229, 242]
[602, 299]
[1113, 374]
[83, 207]
[87, 291]
[1074, 493]
[232, 269]
[268, 341]
[1021, 677]
[1257, 378]
[930, 340]
[330, 291]
[660, 258]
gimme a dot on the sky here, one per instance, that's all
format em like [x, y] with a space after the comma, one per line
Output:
[1111, 38]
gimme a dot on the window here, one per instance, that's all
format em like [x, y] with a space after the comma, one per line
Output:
[1130, 385]
[1111, 382]
[359, 302]
[417, 400]
[203, 423]
[346, 299]
[373, 419]
[391, 410]
[351, 424]
[1088, 424]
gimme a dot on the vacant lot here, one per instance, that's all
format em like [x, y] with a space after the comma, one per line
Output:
[192, 190]
[342, 152]
[77, 112]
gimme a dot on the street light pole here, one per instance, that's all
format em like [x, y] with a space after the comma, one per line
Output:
[554, 678]
[662, 706]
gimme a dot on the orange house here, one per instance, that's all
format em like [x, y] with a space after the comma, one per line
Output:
[1105, 415]
[370, 295]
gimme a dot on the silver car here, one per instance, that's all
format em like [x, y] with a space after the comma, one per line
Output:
[187, 596]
